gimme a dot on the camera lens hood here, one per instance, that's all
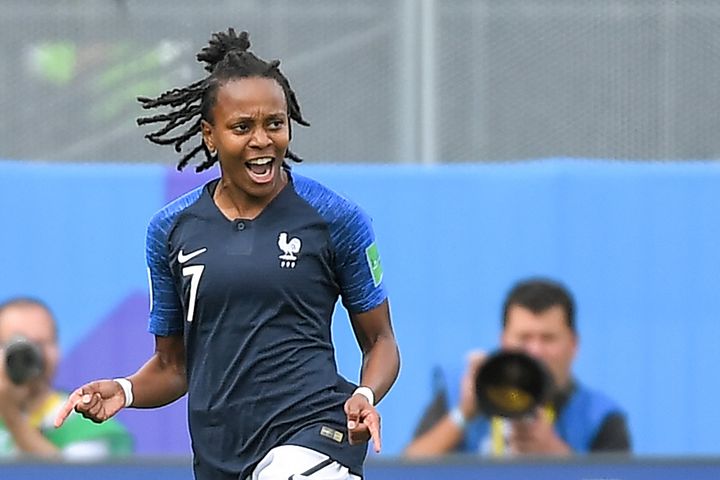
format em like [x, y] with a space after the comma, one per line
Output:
[512, 384]
[23, 360]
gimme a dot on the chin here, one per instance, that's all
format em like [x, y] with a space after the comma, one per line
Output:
[260, 190]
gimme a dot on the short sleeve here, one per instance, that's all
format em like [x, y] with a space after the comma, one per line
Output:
[166, 313]
[356, 257]
[357, 261]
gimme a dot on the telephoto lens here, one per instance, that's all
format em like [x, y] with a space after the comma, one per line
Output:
[23, 360]
[512, 384]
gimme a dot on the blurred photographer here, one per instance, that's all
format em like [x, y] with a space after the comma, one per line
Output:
[29, 356]
[539, 320]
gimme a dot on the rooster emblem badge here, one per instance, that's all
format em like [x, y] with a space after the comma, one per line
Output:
[290, 250]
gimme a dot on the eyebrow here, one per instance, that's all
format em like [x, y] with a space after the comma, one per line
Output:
[243, 116]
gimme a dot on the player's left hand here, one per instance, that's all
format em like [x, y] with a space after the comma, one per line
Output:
[363, 421]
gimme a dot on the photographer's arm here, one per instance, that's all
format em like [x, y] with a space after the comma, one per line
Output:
[536, 436]
[14, 399]
[441, 438]
[27, 438]
[448, 433]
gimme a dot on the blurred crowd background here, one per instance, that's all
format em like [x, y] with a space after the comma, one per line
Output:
[399, 81]
[489, 140]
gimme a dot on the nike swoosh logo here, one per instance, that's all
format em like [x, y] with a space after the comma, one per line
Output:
[184, 257]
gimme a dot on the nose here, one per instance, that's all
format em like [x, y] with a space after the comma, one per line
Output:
[534, 348]
[260, 139]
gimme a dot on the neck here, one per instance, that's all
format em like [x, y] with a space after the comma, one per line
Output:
[563, 385]
[235, 203]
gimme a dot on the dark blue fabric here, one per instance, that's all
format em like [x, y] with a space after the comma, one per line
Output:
[583, 415]
[261, 364]
[166, 314]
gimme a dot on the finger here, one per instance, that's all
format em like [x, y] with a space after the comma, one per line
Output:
[348, 405]
[475, 366]
[360, 434]
[519, 429]
[519, 441]
[95, 406]
[522, 435]
[372, 421]
[68, 407]
[522, 446]
[353, 414]
[476, 357]
[373, 424]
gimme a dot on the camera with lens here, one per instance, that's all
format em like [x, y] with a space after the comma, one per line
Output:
[24, 360]
[512, 384]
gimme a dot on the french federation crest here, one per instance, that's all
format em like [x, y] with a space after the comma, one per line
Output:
[290, 249]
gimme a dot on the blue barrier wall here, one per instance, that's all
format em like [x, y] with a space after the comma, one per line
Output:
[460, 468]
[637, 243]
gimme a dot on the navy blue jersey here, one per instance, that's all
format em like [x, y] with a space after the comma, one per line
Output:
[254, 300]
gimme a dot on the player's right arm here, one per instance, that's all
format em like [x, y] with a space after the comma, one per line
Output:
[160, 381]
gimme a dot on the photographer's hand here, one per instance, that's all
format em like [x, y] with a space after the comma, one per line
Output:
[468, 397]
[536, 436]
[13, 398]
[96, 401]
[14, 402]
[447, 433]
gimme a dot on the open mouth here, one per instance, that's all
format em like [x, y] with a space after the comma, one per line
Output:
[261, 170]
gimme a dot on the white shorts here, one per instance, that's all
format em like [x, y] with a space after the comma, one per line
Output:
[292, 462]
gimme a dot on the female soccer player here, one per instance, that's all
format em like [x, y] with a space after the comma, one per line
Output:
[245, 272]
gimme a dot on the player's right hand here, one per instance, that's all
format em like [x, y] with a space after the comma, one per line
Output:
[96, 401]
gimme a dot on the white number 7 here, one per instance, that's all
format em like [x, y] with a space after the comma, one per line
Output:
[195, 272]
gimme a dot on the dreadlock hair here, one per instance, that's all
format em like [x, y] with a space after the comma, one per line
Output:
[227, 58]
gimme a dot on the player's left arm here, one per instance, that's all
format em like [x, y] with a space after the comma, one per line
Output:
[381, 358]
[360, 275]
[380, 367]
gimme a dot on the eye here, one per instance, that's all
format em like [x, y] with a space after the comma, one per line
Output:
[241, 127]
[276, 123]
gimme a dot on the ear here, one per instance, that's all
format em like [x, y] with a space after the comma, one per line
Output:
[207, 133]
[575, 344]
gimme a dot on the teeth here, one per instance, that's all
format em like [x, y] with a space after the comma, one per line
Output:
[260, 161]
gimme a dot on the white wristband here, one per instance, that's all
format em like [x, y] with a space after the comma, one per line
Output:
[457, 417]
[126, 385]
[367, 393]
